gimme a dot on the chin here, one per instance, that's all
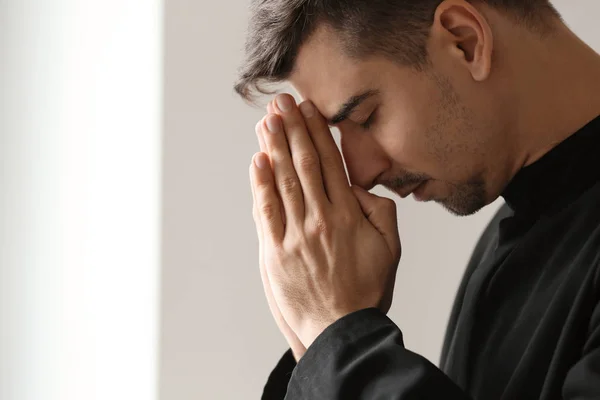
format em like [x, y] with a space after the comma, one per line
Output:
[459, 212]
[464, 204]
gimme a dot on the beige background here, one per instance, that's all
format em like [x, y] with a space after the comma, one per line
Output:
[218, 339]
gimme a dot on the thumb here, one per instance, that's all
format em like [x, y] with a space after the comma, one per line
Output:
[381, 213]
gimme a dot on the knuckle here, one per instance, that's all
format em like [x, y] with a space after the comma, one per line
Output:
[269, 210]
[319, 226]
[322, 226]
[288, 186]
[308, 162]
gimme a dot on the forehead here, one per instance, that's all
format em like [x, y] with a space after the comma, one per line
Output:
[327, 76]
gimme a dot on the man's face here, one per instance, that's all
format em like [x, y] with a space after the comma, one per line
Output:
[409, 131]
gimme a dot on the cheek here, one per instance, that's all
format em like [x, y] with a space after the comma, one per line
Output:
[456, 154]
[405, 134]
[360, 149]
[435, 150]
[405, 143]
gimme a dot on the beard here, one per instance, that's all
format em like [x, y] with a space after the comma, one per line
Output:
[465, 199]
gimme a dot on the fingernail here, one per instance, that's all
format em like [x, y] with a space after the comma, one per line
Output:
[260, 161]
[307, 109]
[284, 102]
[273, 123]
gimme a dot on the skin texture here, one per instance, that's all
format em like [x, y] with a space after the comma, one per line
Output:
[495, 98]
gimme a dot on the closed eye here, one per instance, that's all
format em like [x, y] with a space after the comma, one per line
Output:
[369, 121]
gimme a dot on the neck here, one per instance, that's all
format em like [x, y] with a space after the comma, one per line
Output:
[557, 93]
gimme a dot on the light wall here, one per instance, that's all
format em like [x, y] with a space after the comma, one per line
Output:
[80, 86]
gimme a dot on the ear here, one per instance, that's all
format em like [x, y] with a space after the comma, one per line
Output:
[466, 35]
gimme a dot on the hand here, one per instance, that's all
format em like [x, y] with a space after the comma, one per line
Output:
[338, 250]
[296, 346]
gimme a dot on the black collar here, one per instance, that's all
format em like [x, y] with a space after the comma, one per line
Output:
[560, 176]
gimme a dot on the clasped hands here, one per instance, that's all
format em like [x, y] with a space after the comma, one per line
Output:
[326, 249]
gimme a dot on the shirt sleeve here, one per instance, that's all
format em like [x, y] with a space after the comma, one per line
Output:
[276, 386]
[362, 356]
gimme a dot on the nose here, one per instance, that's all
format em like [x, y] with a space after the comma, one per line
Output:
[365, 160]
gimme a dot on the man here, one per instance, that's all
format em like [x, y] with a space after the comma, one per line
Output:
[454, 101]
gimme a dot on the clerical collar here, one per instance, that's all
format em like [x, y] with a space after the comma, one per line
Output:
[560, 176]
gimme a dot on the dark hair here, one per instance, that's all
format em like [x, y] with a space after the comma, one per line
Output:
[395, 28]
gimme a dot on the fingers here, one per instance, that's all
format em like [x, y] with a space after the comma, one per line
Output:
[257, 222]
[255, 214]
[289, 335]
[332, 167]
[266, 202]
[263, 146]
[259, 132]
[286, 179]
[382, 214]
[306, 163]
[302, 151]
[263, 271]
[258, 129]
[259, 136]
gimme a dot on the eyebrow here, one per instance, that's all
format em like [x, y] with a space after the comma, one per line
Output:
[348, 107]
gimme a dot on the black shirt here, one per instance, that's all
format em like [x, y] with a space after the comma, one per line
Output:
[526, 319]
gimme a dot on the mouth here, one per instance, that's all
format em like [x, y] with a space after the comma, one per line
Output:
[419, 192]
[408, 190]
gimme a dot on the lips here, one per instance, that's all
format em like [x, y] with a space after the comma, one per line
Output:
[418, 192]
[405, 192]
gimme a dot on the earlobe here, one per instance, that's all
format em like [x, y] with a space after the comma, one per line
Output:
[470, 36]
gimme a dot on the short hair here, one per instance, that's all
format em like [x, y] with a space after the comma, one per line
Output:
[397, 29]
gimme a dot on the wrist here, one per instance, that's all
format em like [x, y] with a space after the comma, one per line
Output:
[298, 353]
[313, 329]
